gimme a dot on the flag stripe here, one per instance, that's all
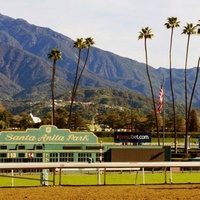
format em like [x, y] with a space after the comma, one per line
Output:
[160, 100]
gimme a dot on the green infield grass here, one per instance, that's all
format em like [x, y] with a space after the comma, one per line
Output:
[112, 178]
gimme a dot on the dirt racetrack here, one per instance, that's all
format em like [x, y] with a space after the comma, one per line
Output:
[127, 192]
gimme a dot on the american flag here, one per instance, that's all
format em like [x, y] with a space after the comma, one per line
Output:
[160, 100]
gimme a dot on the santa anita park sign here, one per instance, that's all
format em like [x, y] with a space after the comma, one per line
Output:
[47, 134]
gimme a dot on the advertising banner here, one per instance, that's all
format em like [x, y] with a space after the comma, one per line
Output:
[139, 137]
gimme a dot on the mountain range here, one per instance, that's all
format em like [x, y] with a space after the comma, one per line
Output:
[25, 70]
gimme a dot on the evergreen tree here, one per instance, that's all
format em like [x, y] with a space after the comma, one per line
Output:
[193, 123]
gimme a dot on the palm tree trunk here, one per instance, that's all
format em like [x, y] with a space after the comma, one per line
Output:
[193, 89]
[73, 91]
[152, 93]
[86, 59]
[186, 106]
[172, 91]
[52, 93]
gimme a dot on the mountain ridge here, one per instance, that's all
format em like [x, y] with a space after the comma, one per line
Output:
[24, 65]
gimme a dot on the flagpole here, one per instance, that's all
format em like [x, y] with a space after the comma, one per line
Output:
[161, 107]
[163, 111]
[163, 119]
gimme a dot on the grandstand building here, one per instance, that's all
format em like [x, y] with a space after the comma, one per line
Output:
[50, 144]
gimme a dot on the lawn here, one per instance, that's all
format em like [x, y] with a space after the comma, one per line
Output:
[112, 178]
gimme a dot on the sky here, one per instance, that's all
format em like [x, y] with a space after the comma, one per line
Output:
[115, 25]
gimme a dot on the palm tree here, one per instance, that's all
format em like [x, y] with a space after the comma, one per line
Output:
[193, 89]
[172, 22]
[55, 55]
[145, 34]
[80, 44]
[189, 29]
[89, 42]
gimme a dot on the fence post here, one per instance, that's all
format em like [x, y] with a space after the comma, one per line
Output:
[143, 178]
[12, 174]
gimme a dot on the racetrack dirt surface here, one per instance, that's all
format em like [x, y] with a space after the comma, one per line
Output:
[129, 192]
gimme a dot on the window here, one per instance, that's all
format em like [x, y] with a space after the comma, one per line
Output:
[39, 155]
[39, 147]
[21, 147]
[71, 147]
[3, 155]
[83, 157]
[21, 155]
[53, 157]
[66, 157]
[98, 158]
[3, 147]
[94, 147]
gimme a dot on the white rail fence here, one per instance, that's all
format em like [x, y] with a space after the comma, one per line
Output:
[101, 168]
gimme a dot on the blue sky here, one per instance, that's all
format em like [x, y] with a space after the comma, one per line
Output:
[115, 25]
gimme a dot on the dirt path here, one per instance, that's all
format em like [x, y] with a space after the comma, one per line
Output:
[139, 192]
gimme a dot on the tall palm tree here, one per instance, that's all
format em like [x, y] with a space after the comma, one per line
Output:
[55, 55]
[89, 42]
[145, 34]
[80, 44]
[189, 29]
[193, 89]
[172, 22]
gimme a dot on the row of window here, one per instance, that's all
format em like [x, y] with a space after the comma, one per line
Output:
[49, 157]
[41, 147]
[21, 147]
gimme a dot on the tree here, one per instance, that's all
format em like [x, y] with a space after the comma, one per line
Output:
[189, 29]
[171, 24]
[61, 114]
[145, 34]
[80, 44]
[77, 121]
[193, 89]
[55, 55]
[150, 121]
[180, 121]
[2, 124]
[113, 120]
[24, 122]
[193, 122]
[6, 118]
[88, 42]
[136, 117]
